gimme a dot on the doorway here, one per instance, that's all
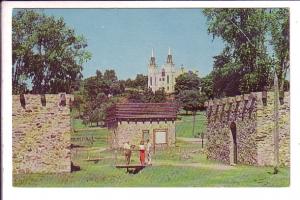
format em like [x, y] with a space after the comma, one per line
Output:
[233, 132]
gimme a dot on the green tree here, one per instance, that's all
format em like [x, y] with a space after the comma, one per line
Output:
[141, 81]
[46, 52]
[244, 61]
[187, 93]
[280, 33]
[159, 96]
[187, 81]
[190, 100]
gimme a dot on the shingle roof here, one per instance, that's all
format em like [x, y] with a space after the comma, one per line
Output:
[145, 111]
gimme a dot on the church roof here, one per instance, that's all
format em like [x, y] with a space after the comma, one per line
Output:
[142, 111]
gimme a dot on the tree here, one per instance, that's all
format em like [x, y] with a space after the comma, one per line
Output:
[46, 52]
[187, 93]
[190, 100]
[187, 81]
[134, 96]
[141, 81]
[159, 96]
[244, 61]
[99, 92]
[280, 33]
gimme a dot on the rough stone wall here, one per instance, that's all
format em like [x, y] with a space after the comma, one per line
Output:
[133, 132]
[254, 129]
[41, 135]
[221, 114]
[265, 129]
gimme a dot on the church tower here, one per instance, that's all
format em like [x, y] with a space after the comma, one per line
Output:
[152, 71]
[169, 58]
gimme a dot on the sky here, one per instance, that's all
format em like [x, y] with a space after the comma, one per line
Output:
[122, 39]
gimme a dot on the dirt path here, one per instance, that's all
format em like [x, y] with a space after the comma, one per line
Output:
[185, 139]
[197, 165]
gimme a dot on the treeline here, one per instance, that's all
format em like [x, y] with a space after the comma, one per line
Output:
[256, 46]
[48, 57]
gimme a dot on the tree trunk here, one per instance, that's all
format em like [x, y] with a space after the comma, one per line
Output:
[194, 118]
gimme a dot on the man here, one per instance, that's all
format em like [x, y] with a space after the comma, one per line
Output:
[127, 152]
[149, 149]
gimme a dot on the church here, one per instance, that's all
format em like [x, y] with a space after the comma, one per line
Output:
[165, 76]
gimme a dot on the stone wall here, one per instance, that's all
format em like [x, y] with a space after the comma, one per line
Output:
[41, 134]
[265, 128]
[254, 125]
[133, 132]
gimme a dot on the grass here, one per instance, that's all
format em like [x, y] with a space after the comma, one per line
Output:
[182, 166]
[184, 127]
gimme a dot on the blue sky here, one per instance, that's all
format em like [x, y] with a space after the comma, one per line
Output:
[122, 39]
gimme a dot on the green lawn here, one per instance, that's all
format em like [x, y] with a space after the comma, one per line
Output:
[184, 127]
[185, 166]
[182, 166]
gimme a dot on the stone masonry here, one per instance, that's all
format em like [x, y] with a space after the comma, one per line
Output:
[130, 122]
[41, 133]
[240, 129]
[133, 132]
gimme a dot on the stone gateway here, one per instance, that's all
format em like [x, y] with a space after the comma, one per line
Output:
[240, 129]
[134, 122]
[41, 133]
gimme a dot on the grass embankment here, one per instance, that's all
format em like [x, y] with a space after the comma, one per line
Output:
[185, 165]
[184, 126]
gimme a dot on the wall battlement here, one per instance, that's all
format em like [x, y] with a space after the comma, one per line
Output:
[41, 133]
[251, 117]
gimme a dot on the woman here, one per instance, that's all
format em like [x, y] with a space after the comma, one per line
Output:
[148, 150]
[142, 153]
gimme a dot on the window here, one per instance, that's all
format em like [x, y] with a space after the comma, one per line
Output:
[168, 79]
[167, 88]
[151, 81]
[145, 135]
[163, 79]
[163, 73]
[160, 137]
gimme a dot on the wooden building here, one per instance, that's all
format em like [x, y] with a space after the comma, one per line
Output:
[134, 122]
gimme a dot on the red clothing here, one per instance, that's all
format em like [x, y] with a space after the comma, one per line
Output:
[142, 157]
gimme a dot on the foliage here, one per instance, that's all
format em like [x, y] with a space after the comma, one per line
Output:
[187, 91]
[245, 64]
[147, 96]
[207, 86]
[46, 52]
[280, 33]
[189, 100]
[99, 93]
[187, 81]
[140, 82]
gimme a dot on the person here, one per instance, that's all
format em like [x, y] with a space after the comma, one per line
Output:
[142, 152]
[127, 152]
[148, 150]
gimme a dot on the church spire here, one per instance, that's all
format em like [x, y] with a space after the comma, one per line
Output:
[152, 59]
[169, 58]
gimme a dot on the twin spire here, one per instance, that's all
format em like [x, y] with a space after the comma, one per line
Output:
[169, 58]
